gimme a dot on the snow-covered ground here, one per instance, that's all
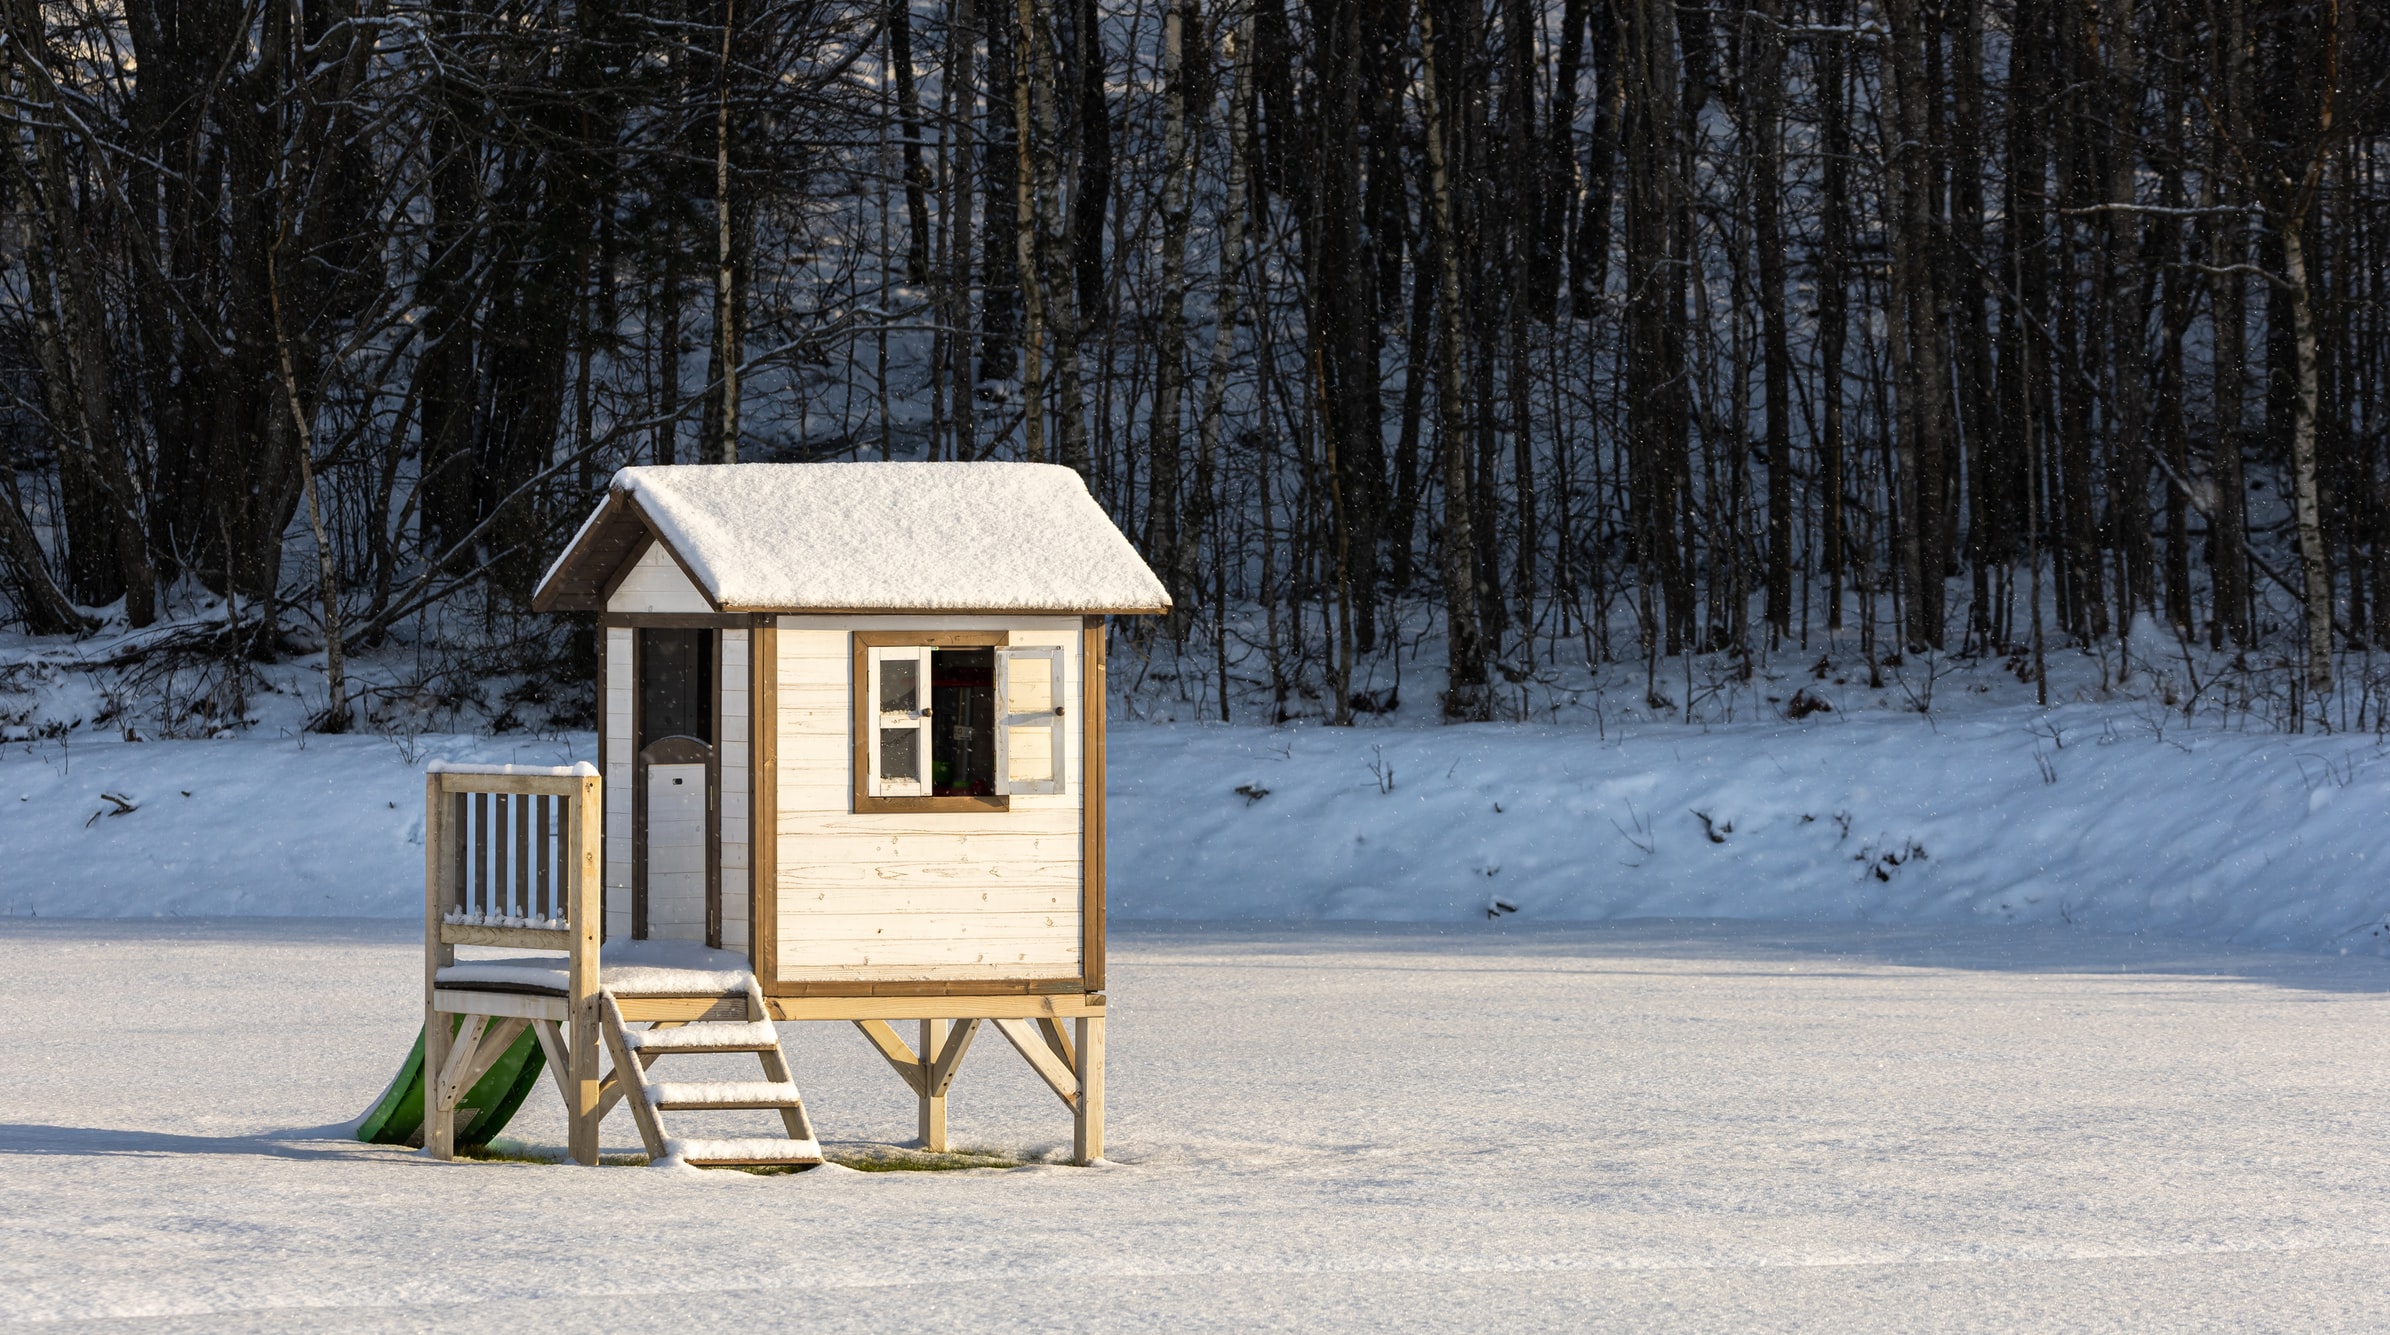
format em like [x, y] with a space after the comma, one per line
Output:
[1502, 1126]
[2108, 817]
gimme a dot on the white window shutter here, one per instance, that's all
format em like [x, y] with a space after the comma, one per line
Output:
[899, 719]
[1029, 702]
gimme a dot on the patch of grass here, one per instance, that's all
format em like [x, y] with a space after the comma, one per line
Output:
[861, 1158]
[898, 1159]
[511, 1152]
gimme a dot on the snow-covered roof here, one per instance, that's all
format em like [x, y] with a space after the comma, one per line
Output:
[864, 537]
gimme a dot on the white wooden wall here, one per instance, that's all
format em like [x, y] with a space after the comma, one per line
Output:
[736, 741]
[619, 685]
[959, 896]
[655, 583]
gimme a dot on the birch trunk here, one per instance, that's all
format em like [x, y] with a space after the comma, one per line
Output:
[2315, 575]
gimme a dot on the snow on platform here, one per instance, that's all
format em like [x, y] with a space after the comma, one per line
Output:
[627, 969]
[1682, 1126]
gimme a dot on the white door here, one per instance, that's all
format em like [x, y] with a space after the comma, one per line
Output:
[676, 825]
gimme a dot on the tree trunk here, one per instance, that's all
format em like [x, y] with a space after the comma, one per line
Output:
[1763, 89]
[2315, 575]
[1465, 696]
[1162, 498]
[908, 103]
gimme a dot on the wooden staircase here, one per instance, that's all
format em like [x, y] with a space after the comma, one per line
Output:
[635, 1051]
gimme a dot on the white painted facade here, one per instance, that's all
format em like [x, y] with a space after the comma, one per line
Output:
[655, 583]
[937, 896]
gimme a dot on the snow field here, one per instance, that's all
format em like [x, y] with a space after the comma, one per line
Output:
[2114, 818]
[1500, 1126]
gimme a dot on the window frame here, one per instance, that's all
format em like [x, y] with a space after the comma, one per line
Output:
[866, 723]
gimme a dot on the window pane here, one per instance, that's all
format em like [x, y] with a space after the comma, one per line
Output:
[900, 685]
[676, 685]
[963, 724]
[900, 754]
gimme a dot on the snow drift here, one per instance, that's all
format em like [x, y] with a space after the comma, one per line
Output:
[2091, 816]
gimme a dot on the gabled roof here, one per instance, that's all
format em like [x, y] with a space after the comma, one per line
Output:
[863, 537]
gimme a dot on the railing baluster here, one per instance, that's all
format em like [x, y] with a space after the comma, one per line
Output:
[547, 860]
[518, 899]
[481, 854]
[503, 878]
[564, 857]
[459, 838]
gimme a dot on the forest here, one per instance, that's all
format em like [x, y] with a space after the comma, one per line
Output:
[1513, 339]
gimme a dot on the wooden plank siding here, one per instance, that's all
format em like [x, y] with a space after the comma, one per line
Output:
[732, 748]
[617, 761]
[939, 897]
[656, 583]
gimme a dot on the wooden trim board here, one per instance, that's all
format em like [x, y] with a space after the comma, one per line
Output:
[1092, 700]
[622, 571]
[847, 1008]
[1068, 1006]
[519, 1005]
[605, 753]
[713, 801]
[763, 808]
[963, 987]
[638, 796]
[675, 620]
[522, 938]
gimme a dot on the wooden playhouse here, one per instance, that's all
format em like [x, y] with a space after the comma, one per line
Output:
[851, 768]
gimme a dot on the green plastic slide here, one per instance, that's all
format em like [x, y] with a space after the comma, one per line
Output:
[397, 1117]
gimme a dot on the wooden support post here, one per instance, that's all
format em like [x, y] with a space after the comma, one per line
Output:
[438, 862]
[933, 1094]
[585, 834]
[1087, 1119]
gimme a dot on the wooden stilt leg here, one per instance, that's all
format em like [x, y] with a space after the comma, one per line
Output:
[439, 1123]
[933, 1094]
[1087, 1120]
[583, 840]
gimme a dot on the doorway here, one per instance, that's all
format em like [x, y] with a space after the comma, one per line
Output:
[676, 876]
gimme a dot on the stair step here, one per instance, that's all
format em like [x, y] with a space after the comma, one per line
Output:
[706, 1036]
[669, 1095]
[758, 1150]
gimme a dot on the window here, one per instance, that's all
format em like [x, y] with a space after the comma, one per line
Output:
[676, 685]
[955, 720]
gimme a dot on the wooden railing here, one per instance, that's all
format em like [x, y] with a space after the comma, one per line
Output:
[509, 843]
[510, 858]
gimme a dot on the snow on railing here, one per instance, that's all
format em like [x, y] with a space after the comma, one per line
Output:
[580, 769]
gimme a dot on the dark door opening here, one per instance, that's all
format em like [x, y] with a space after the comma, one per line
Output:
[675, 832]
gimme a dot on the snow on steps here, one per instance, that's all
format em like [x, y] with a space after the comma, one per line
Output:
[706, 1036]
[633, 1050]
[668, 1095]
[756, 1151]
